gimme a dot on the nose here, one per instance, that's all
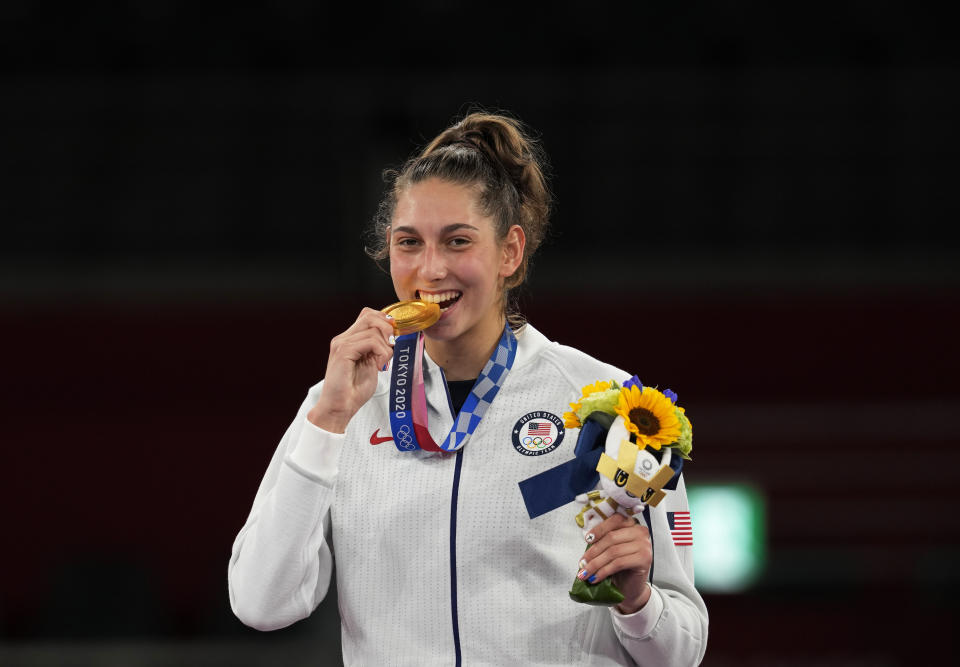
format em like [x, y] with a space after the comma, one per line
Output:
[433, 266]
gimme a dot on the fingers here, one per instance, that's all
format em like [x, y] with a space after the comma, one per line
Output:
[361, 346]
[370, 336]
[608, 525]
[372, 319]
[356, 356]
[617, 544]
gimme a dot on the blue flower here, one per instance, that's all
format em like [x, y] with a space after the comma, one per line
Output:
[633, 382]
[672, 395]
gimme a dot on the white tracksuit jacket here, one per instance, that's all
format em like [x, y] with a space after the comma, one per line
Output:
[438, 562]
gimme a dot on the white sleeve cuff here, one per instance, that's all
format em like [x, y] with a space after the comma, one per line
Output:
[317, 452]
[642, 622]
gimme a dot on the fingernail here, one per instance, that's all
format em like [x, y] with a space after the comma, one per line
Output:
[392, 339]
[581, 575]
[592, 579]
[384, 367]
[389, 317]
[583, 563]
[590, 537]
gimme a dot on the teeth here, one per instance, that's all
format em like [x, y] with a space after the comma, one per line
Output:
[438, 297]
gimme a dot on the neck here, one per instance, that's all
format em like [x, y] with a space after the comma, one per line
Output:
[464, 357]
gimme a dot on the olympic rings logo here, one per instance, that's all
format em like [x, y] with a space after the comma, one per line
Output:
[537, 442]
[404, 438]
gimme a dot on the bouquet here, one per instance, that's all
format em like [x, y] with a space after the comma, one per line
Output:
[647, 436]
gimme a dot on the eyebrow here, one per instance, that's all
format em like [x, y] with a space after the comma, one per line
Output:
[446, 230]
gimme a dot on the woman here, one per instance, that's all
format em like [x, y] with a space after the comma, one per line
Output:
[438, 560]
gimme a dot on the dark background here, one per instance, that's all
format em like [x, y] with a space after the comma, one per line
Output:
[754, 206]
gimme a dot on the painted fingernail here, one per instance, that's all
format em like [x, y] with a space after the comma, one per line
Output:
[389, 317]
[384, 367]
[583, 563]
[590, 537]
[581, 575]
[592, 579]
[392, 339]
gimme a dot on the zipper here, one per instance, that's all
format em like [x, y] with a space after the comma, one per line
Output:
[454, 496]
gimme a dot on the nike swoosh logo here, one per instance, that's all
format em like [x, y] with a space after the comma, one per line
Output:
[376, 440]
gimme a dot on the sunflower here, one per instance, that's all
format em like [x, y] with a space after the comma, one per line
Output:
[649, 415]
[600, 385]
[570, 419]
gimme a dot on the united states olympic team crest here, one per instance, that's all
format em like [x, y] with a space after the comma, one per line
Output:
[537, 433]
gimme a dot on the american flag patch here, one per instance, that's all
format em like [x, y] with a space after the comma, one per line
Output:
[680, 528]
[538, 428]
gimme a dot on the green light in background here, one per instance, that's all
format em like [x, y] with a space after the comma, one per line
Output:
[729, 531]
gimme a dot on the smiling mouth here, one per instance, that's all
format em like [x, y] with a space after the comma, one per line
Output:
[442, 299]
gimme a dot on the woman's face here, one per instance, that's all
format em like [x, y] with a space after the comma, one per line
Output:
[442, 249]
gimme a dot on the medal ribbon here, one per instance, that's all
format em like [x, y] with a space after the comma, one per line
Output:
[420, 418]
[408, 401]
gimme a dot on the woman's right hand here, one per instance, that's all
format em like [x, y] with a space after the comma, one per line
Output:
[356, 356]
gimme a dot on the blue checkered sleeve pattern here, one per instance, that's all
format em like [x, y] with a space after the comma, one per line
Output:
[484, 390]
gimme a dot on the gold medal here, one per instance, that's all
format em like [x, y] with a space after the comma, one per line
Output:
[412, 316]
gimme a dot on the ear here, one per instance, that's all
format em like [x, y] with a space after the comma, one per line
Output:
[512, 249]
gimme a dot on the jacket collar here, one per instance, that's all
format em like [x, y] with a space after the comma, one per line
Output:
[530, 343]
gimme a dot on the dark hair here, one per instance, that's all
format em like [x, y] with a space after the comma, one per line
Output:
[495, 154]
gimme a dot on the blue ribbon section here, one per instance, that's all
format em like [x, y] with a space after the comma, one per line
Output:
[560, 485]
[401, 393]
[676, 462]
[484, 390]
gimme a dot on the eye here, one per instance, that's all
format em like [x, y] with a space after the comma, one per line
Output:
[405, 241]
[459, 241]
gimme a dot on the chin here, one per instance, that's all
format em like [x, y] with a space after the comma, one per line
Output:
[440, 332]
[448, 328]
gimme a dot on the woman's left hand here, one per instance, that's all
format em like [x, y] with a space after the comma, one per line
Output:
[620, 548]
